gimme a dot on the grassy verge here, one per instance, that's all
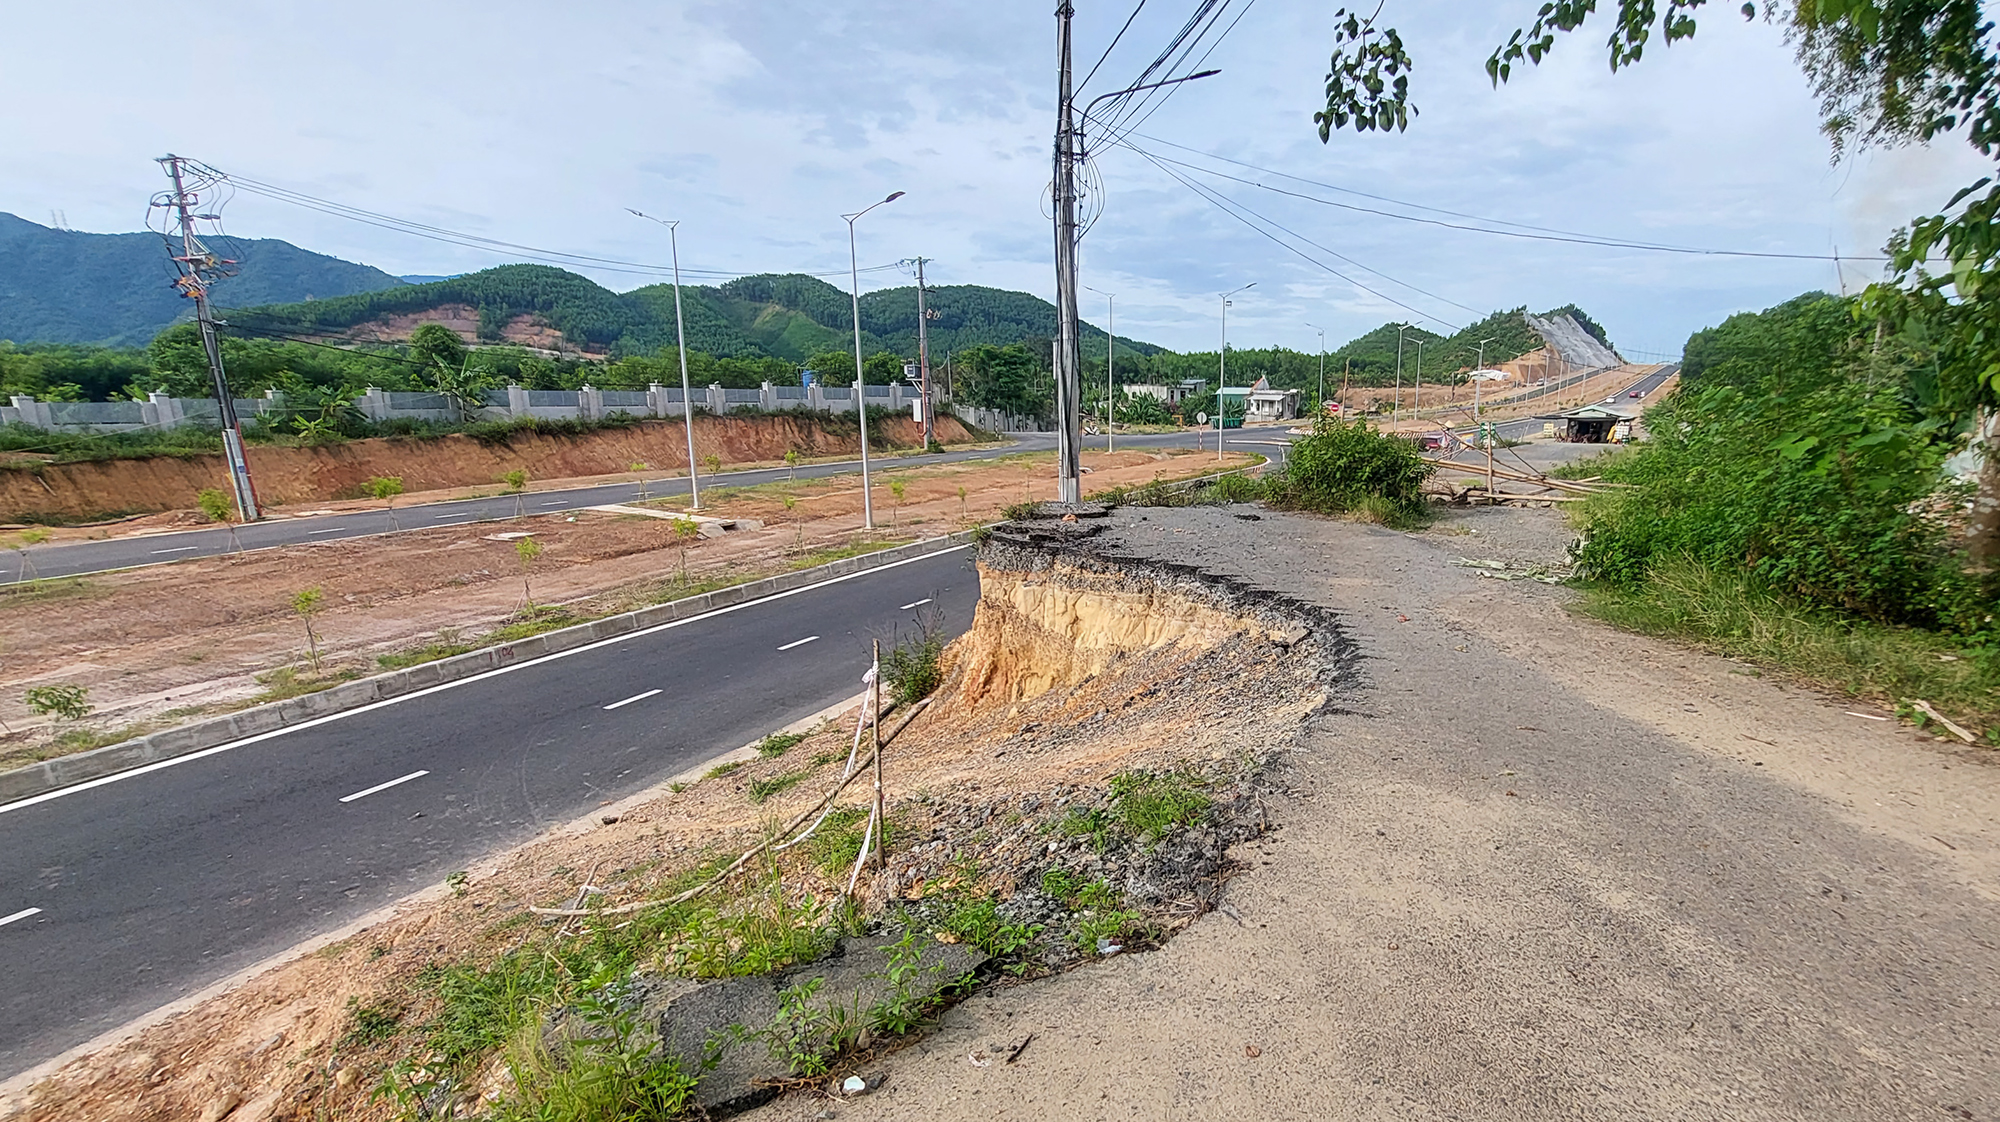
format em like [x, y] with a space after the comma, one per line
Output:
[1724, 613]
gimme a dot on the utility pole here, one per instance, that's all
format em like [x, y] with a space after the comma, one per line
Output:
[1417, 400]
[198, 268]
[924, 357]
[1222, 370]
[1068, 358]
[1476, 378]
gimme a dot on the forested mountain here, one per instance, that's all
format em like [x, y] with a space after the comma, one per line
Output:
[63, 286]
[787, 316]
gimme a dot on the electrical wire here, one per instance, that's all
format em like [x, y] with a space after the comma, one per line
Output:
[1526, 232]
[1196, 23]
[475, 241]
[1114, 44]
[1167, 92]
[1230, 208]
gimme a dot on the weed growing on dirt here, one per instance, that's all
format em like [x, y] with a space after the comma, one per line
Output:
[778, 743]
[762, 789]
[1152, 804]
[837, 844]
[1342, 465]
[370, 1024]
[805, 1037]
[63, 702]
[913, 668]
[720, 770]
[977, 923]
[613, 1069]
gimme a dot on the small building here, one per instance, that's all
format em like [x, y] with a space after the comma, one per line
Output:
[1593, 424]
[1266, 404]
[1170, 395]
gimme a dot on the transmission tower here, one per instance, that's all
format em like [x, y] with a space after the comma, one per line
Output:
[196, 270]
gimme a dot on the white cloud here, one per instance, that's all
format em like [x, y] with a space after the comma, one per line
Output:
[759, 124]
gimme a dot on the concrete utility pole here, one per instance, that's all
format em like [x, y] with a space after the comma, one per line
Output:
[681, 344]
[198, 268]
[1068, 358]
[924, 358]
[1110, 346]
[860, 380]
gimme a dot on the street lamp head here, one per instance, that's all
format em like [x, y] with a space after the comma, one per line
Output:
[893, 196]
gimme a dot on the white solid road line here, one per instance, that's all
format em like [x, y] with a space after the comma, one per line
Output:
[798, 642]
[633, 698]
[177, 549]
[513, 668]
[383, 786]
[555, 502]
[328, 530]
[456, 514]
[24, 913]
[918, 604]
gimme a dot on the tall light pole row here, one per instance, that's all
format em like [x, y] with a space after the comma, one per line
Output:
[860, 381]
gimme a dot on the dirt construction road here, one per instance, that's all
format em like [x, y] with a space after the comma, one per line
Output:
[1536, 870]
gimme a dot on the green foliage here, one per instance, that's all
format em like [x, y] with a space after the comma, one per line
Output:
[383, 488]
[977, 923]
[370, 1024]
[778, 743]
[912, 669]
[307, 604]
[1348, 466]
[1012, 379]
[516, 480]
[1153, 804]
[806, 1035]
[837, 844]
[762, 789]
[65, 703]
[1797, 456]
[1734, 614]
[73, 287]
[216, 505]
[613, 1070]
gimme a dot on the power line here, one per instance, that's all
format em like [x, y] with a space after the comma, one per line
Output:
[475, 241]
[1114, 45]
[1170, 91]
[1524, 233]
[1230, 207]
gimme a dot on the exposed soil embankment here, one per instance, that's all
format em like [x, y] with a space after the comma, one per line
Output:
[1072, 793]
[284, 476]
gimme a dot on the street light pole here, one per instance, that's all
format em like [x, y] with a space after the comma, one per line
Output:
[1110, 346]
[1322, 368]
[1222, 370]
[1396, 410]
[1417, 399]
[860, 379]
[681, 344]
[1476, 378]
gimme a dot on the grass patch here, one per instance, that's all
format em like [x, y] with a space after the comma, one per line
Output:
[778, 743]
[720, 770]
[762, 789]
[286, 682]
[370, 1024]
[416, 656]
[1730, 615]
[46, 589]
[838, 843]
[912, 669]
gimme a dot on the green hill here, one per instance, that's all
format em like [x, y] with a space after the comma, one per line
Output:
[788, 316]
[62, 286]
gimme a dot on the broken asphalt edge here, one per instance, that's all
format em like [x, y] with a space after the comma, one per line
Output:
[99, 763]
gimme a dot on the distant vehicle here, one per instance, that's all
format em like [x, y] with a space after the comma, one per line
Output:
[1635, 393]
[1433, 441]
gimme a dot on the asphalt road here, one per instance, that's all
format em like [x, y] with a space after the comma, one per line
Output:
[79, 558]
[157, 883]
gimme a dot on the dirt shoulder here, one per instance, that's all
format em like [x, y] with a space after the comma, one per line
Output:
[1540, 869]
[170, 643]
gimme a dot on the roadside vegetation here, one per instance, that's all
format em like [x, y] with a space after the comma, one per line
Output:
[1792, 507]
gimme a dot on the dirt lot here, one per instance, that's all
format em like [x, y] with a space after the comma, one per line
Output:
[170, 642]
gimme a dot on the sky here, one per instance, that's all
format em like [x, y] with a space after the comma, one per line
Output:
[757, 125]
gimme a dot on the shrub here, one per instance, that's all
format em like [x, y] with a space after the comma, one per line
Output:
[912, 669]
[66, 703]
[1344, 465]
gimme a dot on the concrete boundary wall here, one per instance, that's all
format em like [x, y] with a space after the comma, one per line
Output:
[67, 771]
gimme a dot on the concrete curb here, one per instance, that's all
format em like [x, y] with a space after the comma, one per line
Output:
[67, 771]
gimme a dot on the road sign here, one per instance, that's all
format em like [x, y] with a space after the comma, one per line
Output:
[1201, 418]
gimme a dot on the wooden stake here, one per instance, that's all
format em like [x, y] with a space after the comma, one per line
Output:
[882, 825]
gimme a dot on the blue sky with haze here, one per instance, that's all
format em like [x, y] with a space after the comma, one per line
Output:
[759, 123]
